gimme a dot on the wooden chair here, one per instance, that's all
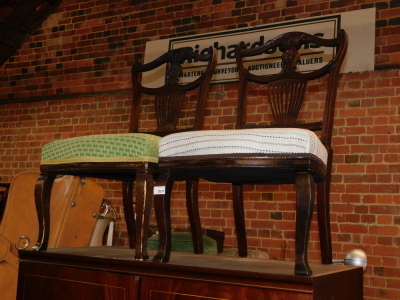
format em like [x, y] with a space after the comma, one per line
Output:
[284, 152]
[132, 157]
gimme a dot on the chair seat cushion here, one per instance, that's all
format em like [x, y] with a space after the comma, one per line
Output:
[128, 147]
[242, 141]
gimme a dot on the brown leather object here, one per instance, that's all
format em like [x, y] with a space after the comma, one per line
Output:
[73, 208]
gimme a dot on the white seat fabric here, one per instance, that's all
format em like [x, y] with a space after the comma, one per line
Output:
[267, 141]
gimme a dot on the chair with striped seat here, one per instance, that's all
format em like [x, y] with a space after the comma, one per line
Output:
[130, 157]
[285, 151]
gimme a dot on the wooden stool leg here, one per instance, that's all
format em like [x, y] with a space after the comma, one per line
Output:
[305, 191]
[162, 200]
[192, 204]
[127, 198]
[238, 210]
[42, 200]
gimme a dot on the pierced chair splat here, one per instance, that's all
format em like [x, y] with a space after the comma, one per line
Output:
[130, 157]
[284, 151]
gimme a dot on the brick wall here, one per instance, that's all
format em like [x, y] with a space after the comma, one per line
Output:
[72, 78]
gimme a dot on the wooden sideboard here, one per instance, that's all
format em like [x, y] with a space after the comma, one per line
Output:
[110, 273]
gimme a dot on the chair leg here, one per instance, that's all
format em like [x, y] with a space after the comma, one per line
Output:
[127, 198]
[144, 184]
[42, 200]
[162, 209]
[305, 190]
[192, 204]
[238, 211]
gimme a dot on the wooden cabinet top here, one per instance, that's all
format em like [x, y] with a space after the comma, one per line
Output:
[210, 268]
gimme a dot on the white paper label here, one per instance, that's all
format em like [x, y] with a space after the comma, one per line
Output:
[159, 190]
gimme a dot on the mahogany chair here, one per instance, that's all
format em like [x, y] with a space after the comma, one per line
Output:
[132, 157]
[286, 151]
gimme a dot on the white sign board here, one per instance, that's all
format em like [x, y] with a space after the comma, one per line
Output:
[359, 25]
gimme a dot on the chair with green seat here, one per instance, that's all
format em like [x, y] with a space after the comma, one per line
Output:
[130, 157]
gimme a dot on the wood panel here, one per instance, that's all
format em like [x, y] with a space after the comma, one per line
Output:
[41, 282]
[153, 288]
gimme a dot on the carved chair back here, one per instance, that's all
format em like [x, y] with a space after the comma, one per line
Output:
[287, 89]
[169, 98]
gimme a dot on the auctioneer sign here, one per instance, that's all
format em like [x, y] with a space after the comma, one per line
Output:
[359, 25]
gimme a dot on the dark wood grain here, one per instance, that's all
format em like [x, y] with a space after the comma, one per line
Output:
[53, 282]
[187, 275]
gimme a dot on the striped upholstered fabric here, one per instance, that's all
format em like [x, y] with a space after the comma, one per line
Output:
[129, 147]
[267, 141]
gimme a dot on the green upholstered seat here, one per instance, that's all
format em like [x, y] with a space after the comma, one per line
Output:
[127, 147]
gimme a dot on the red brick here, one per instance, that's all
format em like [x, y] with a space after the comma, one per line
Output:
[364, 192]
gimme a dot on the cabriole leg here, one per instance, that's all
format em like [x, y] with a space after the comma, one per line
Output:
[144, 194]
[305, 191]
[162, 200]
